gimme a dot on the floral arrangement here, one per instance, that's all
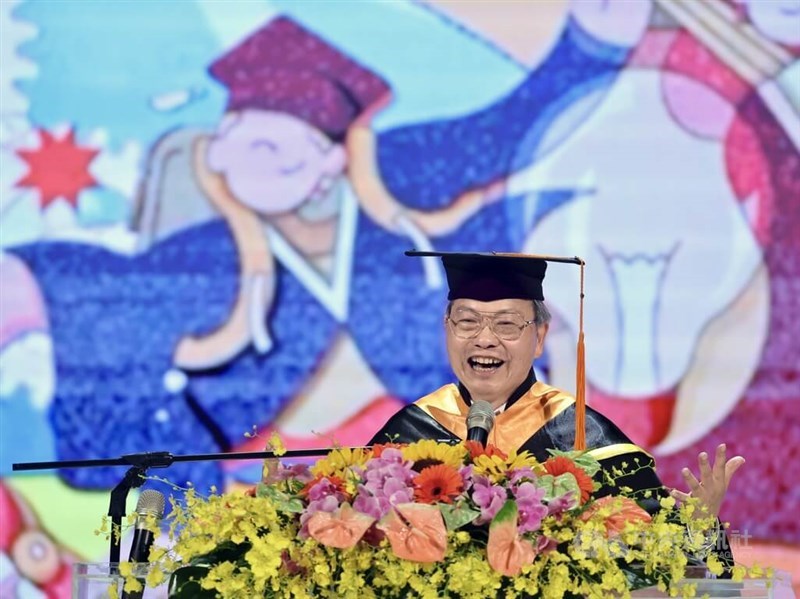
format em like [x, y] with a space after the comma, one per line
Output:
[431, 520]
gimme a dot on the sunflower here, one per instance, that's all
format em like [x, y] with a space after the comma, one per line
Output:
[496, 467]
[438, 484]
[339, 460]
[431, 453]
[560, 465]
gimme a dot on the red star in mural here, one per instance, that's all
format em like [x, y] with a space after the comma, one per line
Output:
[58, 168]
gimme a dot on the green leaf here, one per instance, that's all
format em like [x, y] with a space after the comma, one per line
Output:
[557, 486]
[283, 501]
[185, 583]
[227, 551]
[584, 460]
[456, 516]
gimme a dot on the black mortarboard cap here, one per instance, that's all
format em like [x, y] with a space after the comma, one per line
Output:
[490, 276]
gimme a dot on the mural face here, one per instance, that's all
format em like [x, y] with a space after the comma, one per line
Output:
[274, 162]
[203, 225]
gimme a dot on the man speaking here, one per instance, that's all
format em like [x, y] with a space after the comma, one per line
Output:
[495, 326]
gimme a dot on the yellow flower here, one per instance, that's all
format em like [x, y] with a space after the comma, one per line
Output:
[275, 443]
[340, 460]
[132, 585]
[264, 556]
[738, 573]
[496, 468]
[558, 582]
[471, 576]
[714, 565]
[667, 502]
[429, 453]
[155, 577]
[462, 537]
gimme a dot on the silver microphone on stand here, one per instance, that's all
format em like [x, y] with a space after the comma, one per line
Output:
[150, 504]
[480, 421]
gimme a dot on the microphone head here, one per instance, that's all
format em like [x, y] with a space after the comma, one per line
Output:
[481, 415]
[151, 503]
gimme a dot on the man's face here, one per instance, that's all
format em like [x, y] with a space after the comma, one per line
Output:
[491, 367]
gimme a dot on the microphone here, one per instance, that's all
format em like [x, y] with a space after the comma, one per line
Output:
[480, 421]
[150, 503]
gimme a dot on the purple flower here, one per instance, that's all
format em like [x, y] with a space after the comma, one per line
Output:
[327, 503]
[371, 505]
[521, 474]
[545, 544]
[278, 472]
[388, 481]
[389, 455]
[466, 473]
[321, 490]
[322, 496]
[529, 492]
[488, 497]
[299, 472]
[559, 505]
[398, 491]
[531, 509]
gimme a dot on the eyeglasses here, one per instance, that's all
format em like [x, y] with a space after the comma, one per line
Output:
[467, 324]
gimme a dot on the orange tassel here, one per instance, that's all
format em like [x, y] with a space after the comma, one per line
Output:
[580, 398]
[580, 370]
[580, 381]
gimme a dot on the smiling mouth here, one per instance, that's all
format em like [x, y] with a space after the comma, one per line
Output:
[484, 364]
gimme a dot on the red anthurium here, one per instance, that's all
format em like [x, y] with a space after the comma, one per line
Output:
[341, 529]
[507, 551]
[416, 532]
[623, 510]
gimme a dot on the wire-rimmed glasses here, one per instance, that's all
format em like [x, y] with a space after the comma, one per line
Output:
[467, 324]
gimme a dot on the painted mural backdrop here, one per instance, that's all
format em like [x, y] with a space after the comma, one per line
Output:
[205, 204]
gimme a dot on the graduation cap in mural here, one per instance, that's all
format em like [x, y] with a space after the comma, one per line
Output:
[287, 68]
[490, 276]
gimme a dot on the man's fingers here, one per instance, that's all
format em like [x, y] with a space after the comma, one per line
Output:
[731, 467]
[691, 481]
[705, 467]
[680, 495]
[720, 461]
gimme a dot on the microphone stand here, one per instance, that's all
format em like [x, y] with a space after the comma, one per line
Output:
[139, 463]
